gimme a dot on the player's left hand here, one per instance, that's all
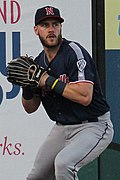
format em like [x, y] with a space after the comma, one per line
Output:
[24, 72]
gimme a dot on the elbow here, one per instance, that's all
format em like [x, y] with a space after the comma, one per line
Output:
[28, 106]
[85, 101]
[28, 110]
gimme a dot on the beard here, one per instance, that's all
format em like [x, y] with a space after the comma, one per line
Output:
[47, 45]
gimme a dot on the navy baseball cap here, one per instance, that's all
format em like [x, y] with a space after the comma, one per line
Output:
[47, 12]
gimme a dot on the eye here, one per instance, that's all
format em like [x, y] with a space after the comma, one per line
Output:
[56, 24]
[44, 25]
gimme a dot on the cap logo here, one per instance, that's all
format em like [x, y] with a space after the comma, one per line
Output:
[49, 11]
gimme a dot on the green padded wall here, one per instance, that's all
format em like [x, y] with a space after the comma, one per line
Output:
[110, 165]
[89, 172]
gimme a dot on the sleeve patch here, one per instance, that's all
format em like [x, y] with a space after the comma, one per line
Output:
[81, 64]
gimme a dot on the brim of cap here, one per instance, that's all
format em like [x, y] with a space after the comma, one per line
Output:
[61, 20]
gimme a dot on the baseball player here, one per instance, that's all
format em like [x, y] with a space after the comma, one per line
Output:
[70, 91]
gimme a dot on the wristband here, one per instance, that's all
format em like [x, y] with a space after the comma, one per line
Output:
[55, 84]
[27, 93]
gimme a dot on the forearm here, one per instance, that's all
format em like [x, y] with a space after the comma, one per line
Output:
[76, 93]
[79, 92]
[30, 101]
[31, 105]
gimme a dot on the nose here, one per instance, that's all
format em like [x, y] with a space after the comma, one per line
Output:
[51, 27]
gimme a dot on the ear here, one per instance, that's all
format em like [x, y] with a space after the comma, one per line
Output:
[36, 30]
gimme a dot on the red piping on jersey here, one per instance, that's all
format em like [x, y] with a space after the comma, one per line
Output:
[83, 81]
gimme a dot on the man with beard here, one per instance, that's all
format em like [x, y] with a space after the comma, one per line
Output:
[71, 94]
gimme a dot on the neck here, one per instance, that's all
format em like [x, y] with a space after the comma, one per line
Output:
[51, 52]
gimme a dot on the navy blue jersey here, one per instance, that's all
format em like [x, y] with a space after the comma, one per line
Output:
[72, 64]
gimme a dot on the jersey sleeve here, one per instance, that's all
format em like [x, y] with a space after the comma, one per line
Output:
[82, 67]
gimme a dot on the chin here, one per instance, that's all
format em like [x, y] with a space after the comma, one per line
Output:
[51, 45]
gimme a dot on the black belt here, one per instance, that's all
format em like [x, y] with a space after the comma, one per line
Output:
[88, 121]
[82, 122]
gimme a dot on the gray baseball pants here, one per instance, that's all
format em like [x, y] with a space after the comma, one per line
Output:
[70, 147]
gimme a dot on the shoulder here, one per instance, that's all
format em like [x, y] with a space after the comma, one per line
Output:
[38, 57]
[79, 54]
[75, 48]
